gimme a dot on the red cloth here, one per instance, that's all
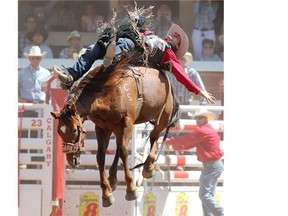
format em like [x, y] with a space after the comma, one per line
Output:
[205, 139]
[178, 71]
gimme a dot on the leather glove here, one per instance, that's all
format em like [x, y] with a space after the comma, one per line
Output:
[140, 21]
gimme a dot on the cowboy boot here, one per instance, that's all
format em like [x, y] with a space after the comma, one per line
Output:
[110, 54]
[66, 80]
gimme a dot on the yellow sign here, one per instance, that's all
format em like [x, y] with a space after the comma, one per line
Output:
[182, 205]
[89, 204]
[149, 205]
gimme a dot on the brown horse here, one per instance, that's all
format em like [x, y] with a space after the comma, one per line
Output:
[115, 99]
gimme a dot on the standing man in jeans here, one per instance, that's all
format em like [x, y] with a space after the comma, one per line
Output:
[207, 143]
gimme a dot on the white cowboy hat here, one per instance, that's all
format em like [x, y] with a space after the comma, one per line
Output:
[35, 51]
[184, 44]
[76, 56]
[72, 34]
[204, 112]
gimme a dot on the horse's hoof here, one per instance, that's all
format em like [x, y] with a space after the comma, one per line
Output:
[148, 174]
[108, 201]
[132, 195]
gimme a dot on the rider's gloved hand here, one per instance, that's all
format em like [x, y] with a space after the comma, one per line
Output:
[140, 21]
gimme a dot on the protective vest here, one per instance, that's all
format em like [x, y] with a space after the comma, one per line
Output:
[156, 46]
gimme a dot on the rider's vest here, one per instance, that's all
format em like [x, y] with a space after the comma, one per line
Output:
[156, 46]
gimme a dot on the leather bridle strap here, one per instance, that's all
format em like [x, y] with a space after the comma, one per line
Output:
[75, 147]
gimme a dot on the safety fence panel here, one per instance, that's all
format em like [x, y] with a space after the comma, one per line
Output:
[35, 126]
[165, 192]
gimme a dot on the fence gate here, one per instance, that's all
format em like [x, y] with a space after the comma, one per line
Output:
[35, 126]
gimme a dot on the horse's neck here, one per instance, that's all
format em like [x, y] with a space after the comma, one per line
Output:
[90, 103]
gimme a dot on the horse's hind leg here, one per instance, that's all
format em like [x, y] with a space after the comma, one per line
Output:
[103, 137]
[123, 138]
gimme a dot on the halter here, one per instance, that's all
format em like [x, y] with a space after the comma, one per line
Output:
[75, 147]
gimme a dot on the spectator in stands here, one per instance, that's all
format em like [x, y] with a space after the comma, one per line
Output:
[30, 25]
[207, 142]
[89, 21]
[163, 21]
[208, 51]
[74, 41]
[121, 10]
[59, 17]
[221, 41]
[38, 38]
[31, 78]
[25, 9]
[205, 14]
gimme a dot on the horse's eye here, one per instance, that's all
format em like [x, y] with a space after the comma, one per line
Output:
[74, 131]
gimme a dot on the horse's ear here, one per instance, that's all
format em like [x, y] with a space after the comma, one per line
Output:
[56, 115]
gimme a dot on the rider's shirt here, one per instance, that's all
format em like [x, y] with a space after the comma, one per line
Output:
[161, 52]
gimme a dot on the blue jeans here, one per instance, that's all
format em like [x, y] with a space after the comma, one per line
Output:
[95, 52]
[207, 185]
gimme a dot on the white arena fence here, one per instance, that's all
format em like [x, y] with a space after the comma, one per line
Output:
[35, 158]
[170, 192]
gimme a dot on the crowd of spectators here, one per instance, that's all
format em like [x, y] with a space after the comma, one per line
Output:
[40, 18]
[57, 15]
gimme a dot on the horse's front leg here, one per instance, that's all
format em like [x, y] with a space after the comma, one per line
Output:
[113, 171]
[123, 138]
[103, 137]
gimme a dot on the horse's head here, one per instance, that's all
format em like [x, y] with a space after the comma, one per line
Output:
[71, 130]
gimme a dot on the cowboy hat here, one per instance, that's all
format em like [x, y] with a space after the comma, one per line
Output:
[35, 51]
[73, 34]
[76, 56]
[204, 112]
[37, 30]
[182, 49]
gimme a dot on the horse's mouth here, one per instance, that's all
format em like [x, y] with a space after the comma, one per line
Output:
[73, 159]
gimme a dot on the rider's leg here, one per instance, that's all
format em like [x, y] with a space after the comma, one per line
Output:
[86, 60]
[84, 63]
[114, 49]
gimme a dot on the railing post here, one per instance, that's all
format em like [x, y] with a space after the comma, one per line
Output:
[57, 98]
